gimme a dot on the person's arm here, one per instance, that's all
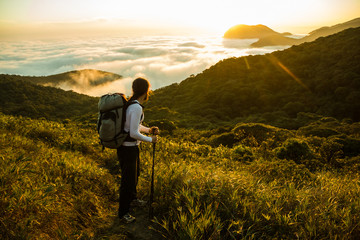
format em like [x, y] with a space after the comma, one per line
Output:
[144, 129]
[135, 116]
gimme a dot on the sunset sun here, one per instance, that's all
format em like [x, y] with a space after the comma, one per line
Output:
[214, 16]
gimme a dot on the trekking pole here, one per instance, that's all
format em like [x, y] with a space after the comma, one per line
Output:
[151, 209]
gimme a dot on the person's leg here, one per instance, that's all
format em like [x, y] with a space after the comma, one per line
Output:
[128, 161]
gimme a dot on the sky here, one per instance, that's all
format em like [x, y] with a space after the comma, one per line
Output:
[28, 18]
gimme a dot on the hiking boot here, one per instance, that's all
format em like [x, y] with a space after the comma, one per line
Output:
[127, 218]
[138, 203]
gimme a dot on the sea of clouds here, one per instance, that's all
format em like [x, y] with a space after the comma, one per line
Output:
[161, 59]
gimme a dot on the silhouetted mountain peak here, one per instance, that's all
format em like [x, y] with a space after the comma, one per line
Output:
[243, 31]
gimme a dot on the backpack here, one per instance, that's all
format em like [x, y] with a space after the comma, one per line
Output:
[111, 120]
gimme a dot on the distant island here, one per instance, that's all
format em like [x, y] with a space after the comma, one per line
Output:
[269, 37]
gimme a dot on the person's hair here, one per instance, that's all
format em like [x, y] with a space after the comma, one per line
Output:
[139, 87]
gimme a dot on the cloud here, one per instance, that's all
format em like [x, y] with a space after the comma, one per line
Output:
[163, 60]
[192, 44]
[120, 85]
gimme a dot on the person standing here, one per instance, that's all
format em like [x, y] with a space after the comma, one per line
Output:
[128, 154]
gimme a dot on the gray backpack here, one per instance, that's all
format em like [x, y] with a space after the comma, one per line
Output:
[110, 125]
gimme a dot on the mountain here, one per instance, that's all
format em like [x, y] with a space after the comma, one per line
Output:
[243, 31]
[19, 96]
[269, 37]
[320, 77]
[77, 78]
[326, 31]
[321, 32]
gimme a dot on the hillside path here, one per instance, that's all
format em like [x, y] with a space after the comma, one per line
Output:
[115, 229]
[140, 229]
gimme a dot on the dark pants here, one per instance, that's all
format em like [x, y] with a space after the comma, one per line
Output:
[130, 171]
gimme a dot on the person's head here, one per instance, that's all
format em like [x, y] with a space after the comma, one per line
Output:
[140, 86]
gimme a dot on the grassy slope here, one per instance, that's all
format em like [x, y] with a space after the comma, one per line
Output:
[56, 184]
[53, 181]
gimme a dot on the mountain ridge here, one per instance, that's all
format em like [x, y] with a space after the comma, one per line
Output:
[273, 38]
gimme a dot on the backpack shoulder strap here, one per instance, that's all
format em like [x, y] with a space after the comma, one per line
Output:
[133, 102]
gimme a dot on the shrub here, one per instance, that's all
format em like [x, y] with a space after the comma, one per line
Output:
[166, 127]
[351, 146]
[243, 153]
[226, 139]
[330, 150]
[294, 149]
[260, 132]
[319, 131]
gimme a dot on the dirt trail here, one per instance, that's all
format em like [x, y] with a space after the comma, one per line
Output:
[115, 229]
[140, 229]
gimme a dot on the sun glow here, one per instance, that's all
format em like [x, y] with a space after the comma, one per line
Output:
[215, 16]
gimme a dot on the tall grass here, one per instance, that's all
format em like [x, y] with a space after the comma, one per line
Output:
[215, 197]
[55, 183]
[52, 183]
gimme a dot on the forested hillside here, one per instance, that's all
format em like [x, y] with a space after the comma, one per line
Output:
[77, 77]
[321, 77]
[20, 97]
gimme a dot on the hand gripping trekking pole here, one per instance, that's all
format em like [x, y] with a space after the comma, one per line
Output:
[151, 209]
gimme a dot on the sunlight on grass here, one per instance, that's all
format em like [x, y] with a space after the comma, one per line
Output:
[56, 183]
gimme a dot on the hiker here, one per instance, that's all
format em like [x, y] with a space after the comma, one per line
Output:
[128, 153]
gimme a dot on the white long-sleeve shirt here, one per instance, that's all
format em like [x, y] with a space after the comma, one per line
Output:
[134, 118]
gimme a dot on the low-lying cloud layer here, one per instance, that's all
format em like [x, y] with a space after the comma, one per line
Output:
[162, 60]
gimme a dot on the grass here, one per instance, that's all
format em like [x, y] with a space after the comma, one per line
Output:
[265, 199]
[55, 183]
[53, 186]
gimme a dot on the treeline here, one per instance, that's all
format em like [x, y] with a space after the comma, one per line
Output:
[19, 97]
[321, 77]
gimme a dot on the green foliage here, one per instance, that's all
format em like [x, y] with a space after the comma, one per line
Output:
[330, 151]
[243, 153]
[19, 97]
[281, 171]
[293, 149]
[52, 185]
[293, 108]
[91, 76]
[212, 197]
[350, 146]
[260, 132]
[226, 139]
[57, 184]
[167, 127]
